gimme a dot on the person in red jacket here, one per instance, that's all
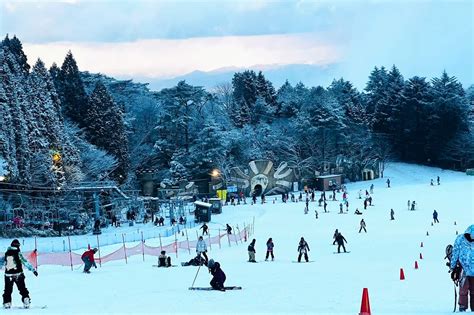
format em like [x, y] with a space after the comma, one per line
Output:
[88, 259]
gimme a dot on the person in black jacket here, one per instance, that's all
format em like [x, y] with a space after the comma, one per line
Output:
[14, 262]
[303, 249]
[251, 250]
[218, 276]
[163, 260]
[340, 242]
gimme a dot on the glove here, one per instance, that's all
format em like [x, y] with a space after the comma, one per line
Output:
[35, 273]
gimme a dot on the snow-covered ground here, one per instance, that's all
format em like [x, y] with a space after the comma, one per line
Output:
[331, 284]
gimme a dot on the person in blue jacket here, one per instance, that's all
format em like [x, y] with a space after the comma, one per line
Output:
[463, 253]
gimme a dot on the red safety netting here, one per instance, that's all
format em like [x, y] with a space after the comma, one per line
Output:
[71, 259]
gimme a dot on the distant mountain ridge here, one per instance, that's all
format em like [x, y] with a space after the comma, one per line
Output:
[310, 75]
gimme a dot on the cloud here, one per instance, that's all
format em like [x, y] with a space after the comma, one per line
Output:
[166, 57]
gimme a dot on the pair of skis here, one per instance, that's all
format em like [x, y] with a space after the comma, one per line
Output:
[212, 289]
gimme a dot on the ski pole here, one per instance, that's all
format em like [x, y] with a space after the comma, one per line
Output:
[196, 276]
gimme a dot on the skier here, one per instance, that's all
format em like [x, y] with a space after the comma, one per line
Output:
[201, 248]
[251, 250]
[388, 182]
[435, 217]
[372, 188]
[432, 184]
[392, 214]
[340, 242]
[362, 226]
[218, 276]
[358, 212]
[13, 261]
[270, 246]
[365, 204]
[340, 207]
[228, 229]
[413, 204]
[88, 259]
[463, 253]
[163, 260]
[438, 180]
[336, 232]
[205, 229]
[303, 249]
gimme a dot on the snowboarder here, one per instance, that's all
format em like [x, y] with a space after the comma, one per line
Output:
[463, 253]
[270, 246]
[392, 214]
[251, 250]
[13, 261]
[340, 242]
[435, 217]
[372, 188]
[362, 226]
[438, 180]
[358, 212]
[201, 248]
[303, 249]
[228, 229]
[218, 276]
[365, 204]
[205, 229]
[164, 260]
[336, 232]
[88, 259]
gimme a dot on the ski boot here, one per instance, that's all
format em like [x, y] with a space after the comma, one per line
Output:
[7, 305]
[26, 302]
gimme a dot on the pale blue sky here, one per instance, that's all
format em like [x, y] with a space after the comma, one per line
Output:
[166, 38]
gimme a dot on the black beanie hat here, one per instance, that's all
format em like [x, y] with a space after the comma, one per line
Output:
[15, 243]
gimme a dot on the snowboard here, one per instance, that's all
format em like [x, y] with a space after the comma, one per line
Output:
[300, 262]
[342, 252]
[29, 307]
[164, 267]
[212, 289]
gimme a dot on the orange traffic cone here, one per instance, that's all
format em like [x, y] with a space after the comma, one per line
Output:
[416, 264]
[365, 305]
[402, 274]
[421, 256]
[421, 244]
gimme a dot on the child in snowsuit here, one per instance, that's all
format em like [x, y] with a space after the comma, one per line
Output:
[303, 249]
[88, 259]
[251, 250]
[270, 246]
[14, 261]
[340, 242]
[218, 276]
[463, 253]
[163, 260]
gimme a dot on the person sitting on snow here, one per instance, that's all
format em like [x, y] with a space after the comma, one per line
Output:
[164, 260]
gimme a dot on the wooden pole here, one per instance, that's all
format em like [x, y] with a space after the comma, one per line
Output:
[36, 254]
[143, 247]
[187, 239]
[124, 248]
[98, 247]
[70, 253]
